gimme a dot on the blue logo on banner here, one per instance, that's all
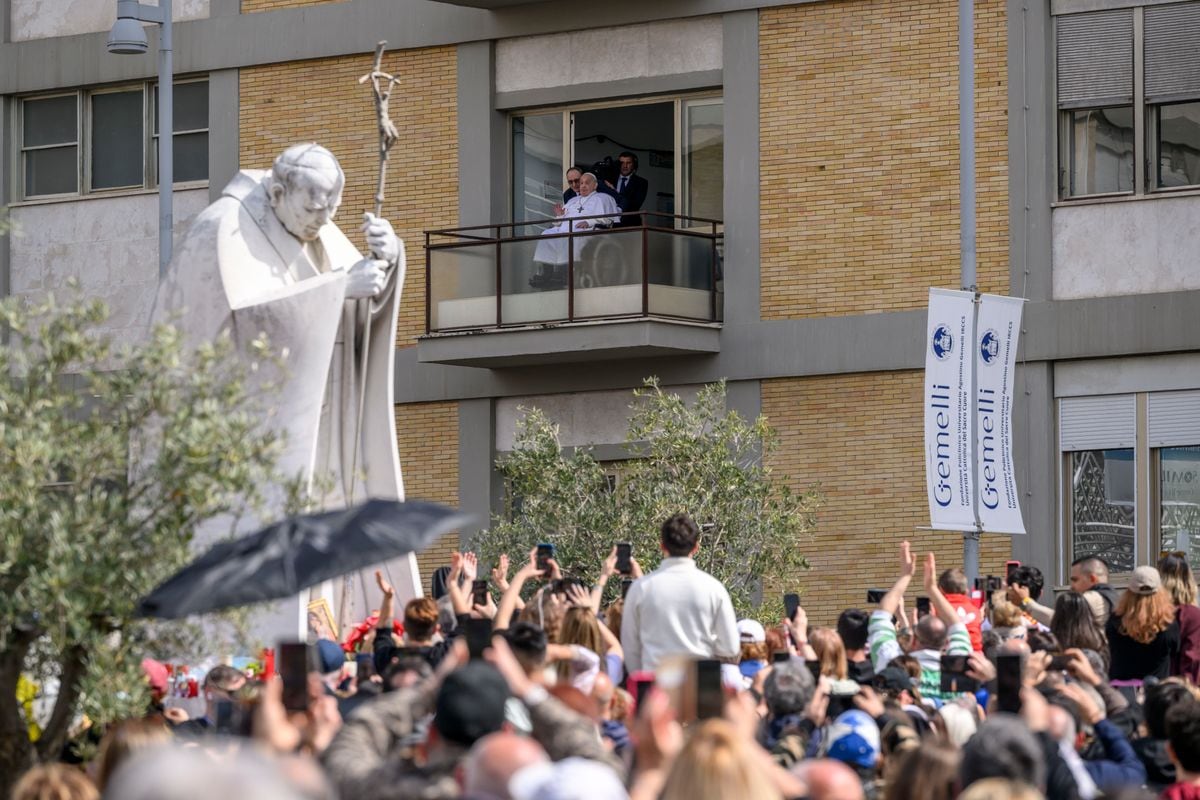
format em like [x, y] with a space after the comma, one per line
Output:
[943, 342]
[989, 346]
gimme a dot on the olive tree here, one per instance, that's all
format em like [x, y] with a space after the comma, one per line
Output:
[110, 458]
[695, 457]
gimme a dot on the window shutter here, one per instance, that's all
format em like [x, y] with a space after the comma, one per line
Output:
[1173, 52]
[1097, 423]
[1174, 419]
[1095, 59]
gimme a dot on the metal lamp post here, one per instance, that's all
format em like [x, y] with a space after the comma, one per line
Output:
[128, 37]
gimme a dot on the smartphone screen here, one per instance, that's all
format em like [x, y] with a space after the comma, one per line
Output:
[1010, 668]
[624, 558]
[781, 657]
[791, 602]
[1009, 568]
[875, 595]
[224, 721]
[479, 636]
[922, 606]
[479, 593]
[710, 697]
[294, 661]
[814, 667]
[625, 584]
[545, 552]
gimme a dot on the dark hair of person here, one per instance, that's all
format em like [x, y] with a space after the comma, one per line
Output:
[679, 535]
[1040, 641]
[1183, 732]
[528, 643]
[1161, 698]
[627, 154]
[852, 627]
[927, 772]
[1075, 626]
[1029, 577]
[953, 581]
[224, 678]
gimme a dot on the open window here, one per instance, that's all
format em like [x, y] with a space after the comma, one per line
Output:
[678, 144]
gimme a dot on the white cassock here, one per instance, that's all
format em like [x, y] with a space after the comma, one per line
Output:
[554, 251]
[238, 270]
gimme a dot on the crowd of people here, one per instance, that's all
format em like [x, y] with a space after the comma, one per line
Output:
[538, 692]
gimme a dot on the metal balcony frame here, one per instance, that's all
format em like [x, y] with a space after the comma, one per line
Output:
[473, 238]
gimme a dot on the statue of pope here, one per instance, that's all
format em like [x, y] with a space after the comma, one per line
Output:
[267, 258]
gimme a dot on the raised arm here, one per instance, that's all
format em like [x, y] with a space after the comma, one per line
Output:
[508, 603]
[387, 605]
[946, 612]
[894, 598]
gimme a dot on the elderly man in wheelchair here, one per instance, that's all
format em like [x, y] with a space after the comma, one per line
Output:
[588, 210]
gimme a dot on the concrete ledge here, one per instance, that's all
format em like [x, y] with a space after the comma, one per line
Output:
[570, 343]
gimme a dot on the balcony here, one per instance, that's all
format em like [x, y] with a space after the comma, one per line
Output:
[515, 293]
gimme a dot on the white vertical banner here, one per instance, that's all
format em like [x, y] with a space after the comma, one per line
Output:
[997, 330]
[949, 445]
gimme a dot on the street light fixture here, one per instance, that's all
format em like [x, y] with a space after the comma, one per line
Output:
[128, 37]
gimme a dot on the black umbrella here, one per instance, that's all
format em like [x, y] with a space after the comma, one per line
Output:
[296, 553]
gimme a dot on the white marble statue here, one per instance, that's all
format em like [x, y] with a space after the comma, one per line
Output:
[267, 258]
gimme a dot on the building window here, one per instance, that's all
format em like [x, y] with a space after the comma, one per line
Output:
[1102, 506]
[50, 145]
[1176, 142]
[678, 143]
[1179, 501]
[1126, 127]
[119, 130]
[1131, 491]
[1100, 150]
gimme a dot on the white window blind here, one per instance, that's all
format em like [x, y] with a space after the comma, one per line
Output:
[1097, 423]
[1172, 52]
[1095, 59]
[1174, 419]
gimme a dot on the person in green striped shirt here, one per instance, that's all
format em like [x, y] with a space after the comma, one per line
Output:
[933, 637]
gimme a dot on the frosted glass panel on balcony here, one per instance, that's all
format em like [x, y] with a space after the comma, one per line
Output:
[462, 287]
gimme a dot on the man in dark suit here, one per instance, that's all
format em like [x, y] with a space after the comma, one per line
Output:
[573, 176]
[631, 189]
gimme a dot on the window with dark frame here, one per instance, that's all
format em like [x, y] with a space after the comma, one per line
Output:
[106, 140]
[1121, 137]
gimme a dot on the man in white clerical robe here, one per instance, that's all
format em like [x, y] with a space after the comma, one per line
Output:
[588, 203]
[266, 258]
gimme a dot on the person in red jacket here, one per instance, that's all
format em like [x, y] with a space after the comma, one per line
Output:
[1178, 581]
[953, 583]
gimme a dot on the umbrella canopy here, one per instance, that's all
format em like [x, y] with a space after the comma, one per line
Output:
[296, 553]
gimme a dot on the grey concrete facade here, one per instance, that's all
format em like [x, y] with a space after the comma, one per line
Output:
[223, 130]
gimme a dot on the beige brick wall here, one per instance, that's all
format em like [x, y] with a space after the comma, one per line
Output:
[255, 6]
[859, 164]
[321, 100]
[861, 436]
[427, 435]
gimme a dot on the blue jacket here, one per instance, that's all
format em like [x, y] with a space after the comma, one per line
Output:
[1122, 767]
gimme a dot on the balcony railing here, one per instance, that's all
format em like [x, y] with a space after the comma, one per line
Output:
[520, 273]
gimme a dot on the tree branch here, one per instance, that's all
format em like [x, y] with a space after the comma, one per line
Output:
[54, 736]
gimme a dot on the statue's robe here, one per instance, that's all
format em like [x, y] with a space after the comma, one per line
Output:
[237, 269]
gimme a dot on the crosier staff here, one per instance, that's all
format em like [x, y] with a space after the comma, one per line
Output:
[381, 87]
